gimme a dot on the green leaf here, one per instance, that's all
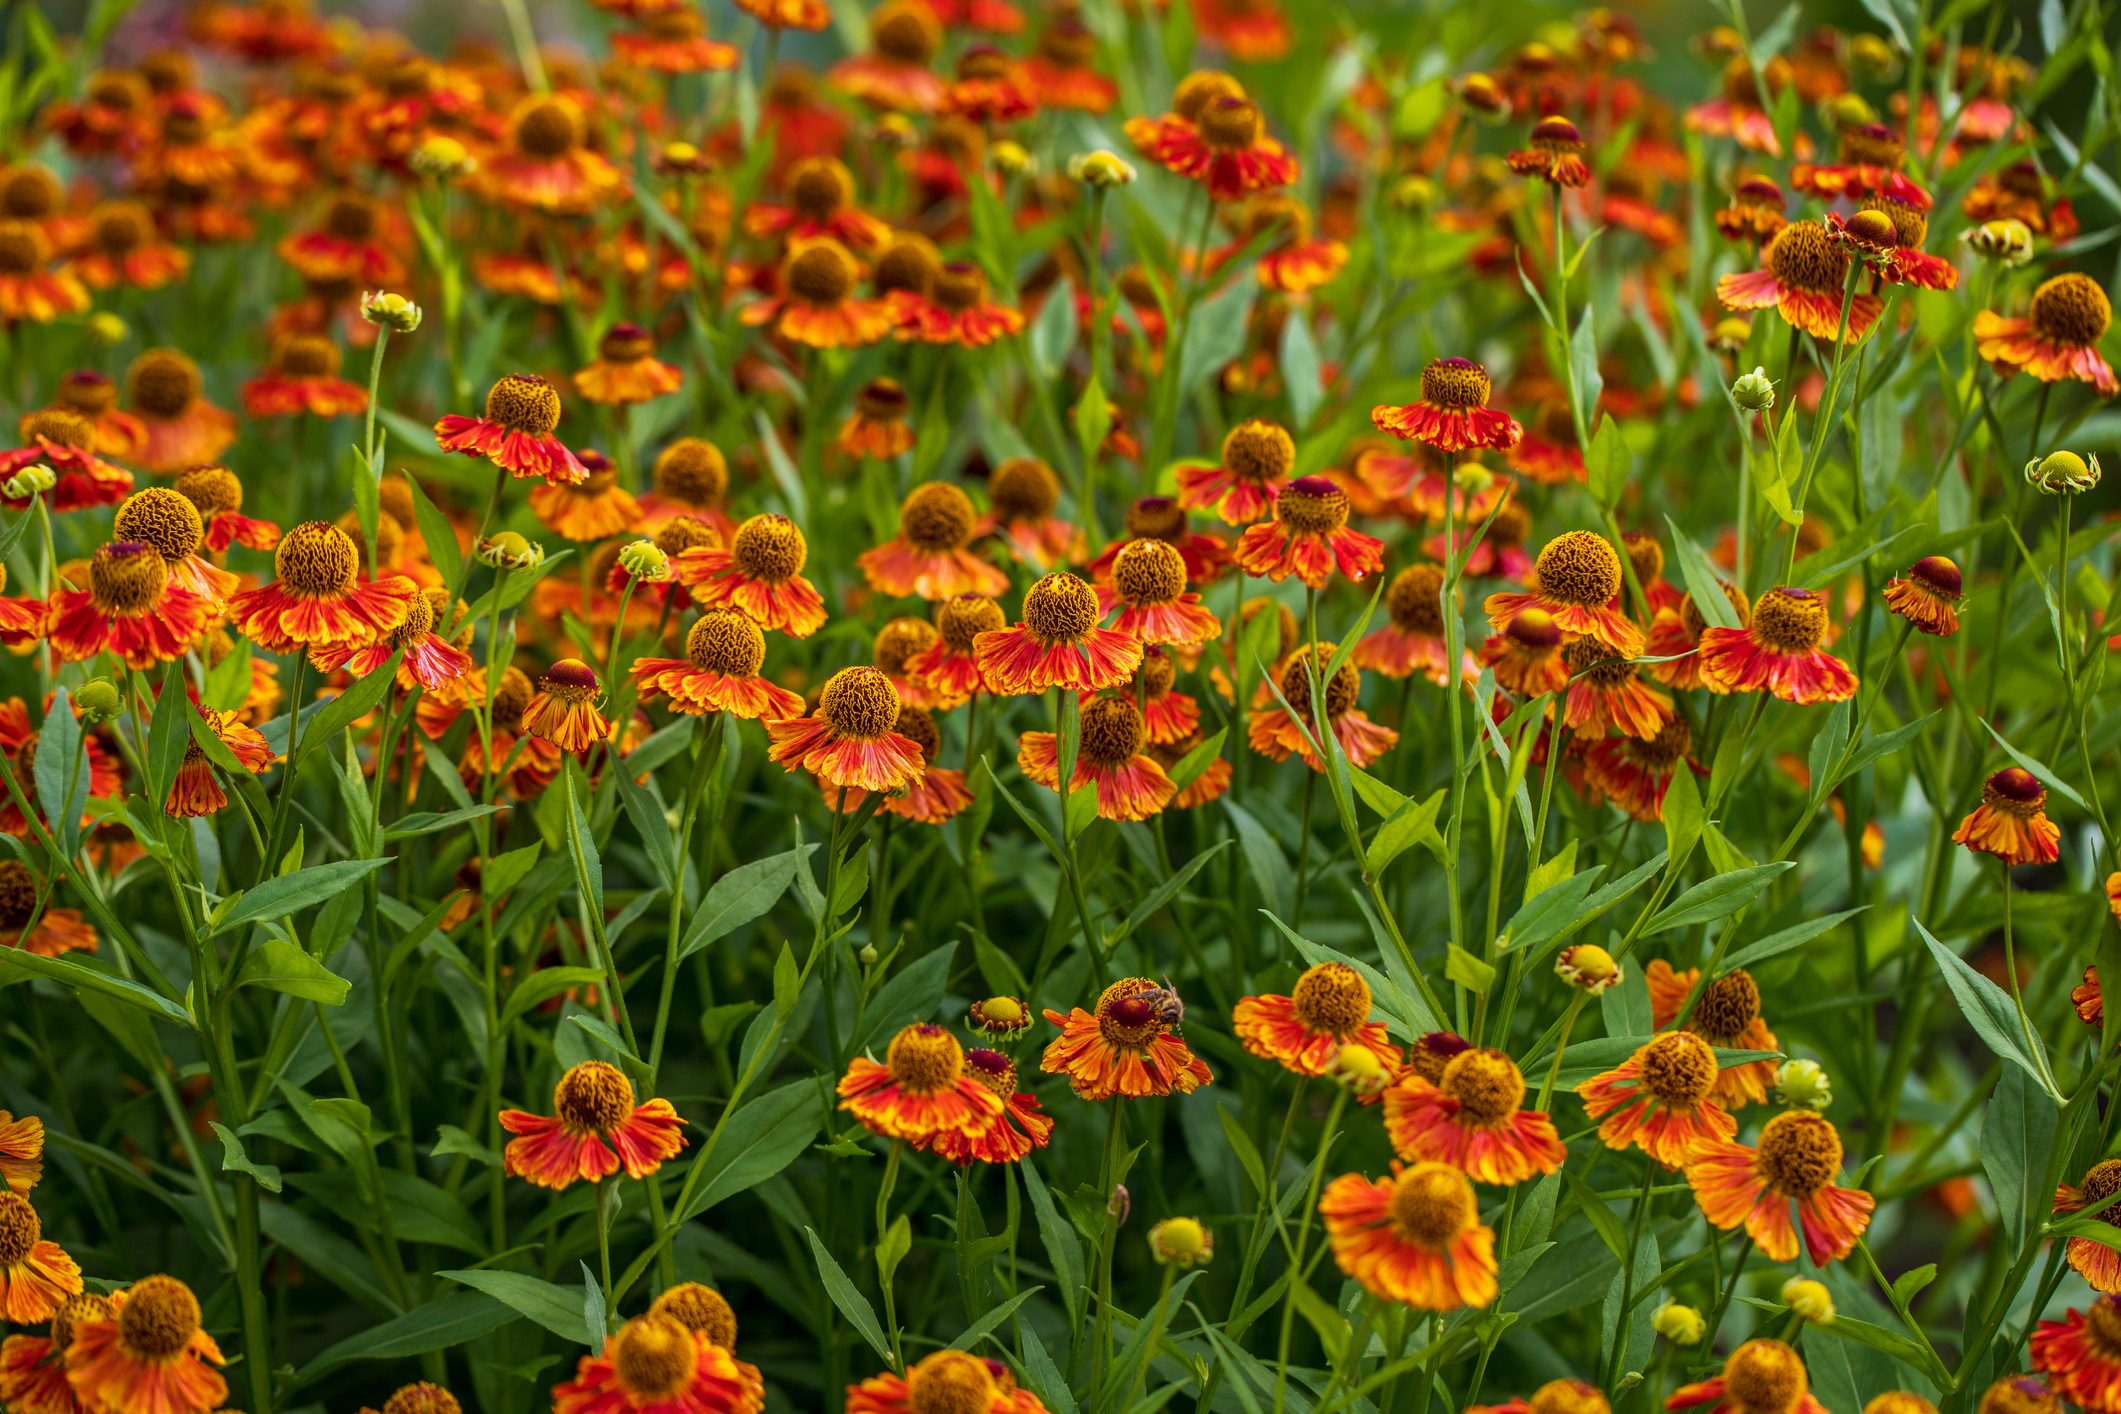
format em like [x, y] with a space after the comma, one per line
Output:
[289, 894]
[913, 995]
[228, 681]
[427, 822]
[2046, 777]
[1607, 462]
[543, 985]
[1993, 1015]
[504, 871]
[1467, 970]
[439, 536]
[1879, 745]
[852, 1304]
[892, 1249]
[351, 705]
[173, 724]
[1063, 1249]
[1216, 335]
[84, 976]
[61, 774]
[1716, 898]
[1189, 767]
[1301, 371]
[442, 1324]
[1551, 910]
[742, 895]
[764, 1136]
[280, 966]
[1163, 893]
[1703, 585]
[1270, 868]
[1411, 824]
[582, 847]
[1684, 817]
[1774, 944]
[556, 1308]
[2017, 1136]
[235, 1160]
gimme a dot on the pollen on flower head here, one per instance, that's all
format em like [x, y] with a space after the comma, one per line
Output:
[2071, 309]
[1568, 1396]
[316, 559]
[1431, 1204]
[162, 518]
[1230, 123]
[1764, 1377]
[524, 402]
[81, 1306]
[422, 1398]
[1790, 620]
[1331, 999]
[1455, 382]
[1312, 505]
[126, 577]
[654, 1358]
[594, 1096]
[965, 617]
[159, 1318]
[1804, 257]
[1258, 450]
[1487, 1085]
[1899, 1401]
[545, 126]
[1678, 1069]
[1341, 690]
[1060, 608]
[18, 893]
[1728, 1007]
[62, 427]
[1800, 1153]
[569, 680]
[917, 725]
[925, 1058]
[992, 1069]
[901, 638]
[681, 533]
[950, 1382]
[859, 702]
[693, 471]
[20, 1229]
[1200, 88]
[936, 517]
[1415, 601]
[699, 1309]
[1113, 732]
[1579, 568]
[163, 382]
[1149, 572]
[819, 272]
[1023, 488]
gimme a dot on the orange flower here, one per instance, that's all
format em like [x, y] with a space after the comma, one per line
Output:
[1221, 143]
[348, 241]
[2059, 337]
[22, 620]
[218, 496]
[1868, 162]
[1469, 1119]
[1257, 458]
[32, 290]
[957, 311]
[21, 1140]
[759, 573]
[2096, 1261]
[929, 557]
[1635, 774]
[894, 73]
[33, 1367]
[1779, 651]
[1754, 213]
[850, 740]
[564, 711]
[317, 599]
[196, 790]
[65, 441]
[1554, 154]
[1606, 693]
[1170, 715]
[1759, 1377]
[724, 651]
[430, 662]
[1309, 538]
[1277, 732]
[1291, 260]
[1148, 587]
[183, 428]
[1576, 579]
[921, 1090]
[1109, 759]
[1805, 279]
[1927, 596]
[151, 1354]
[594, 1131]
[1021, 1128]
[2011, 821]
[626, 369]
[2081, 1354]
[1740, 113]
[1328, 1009]
[1128, 1047]
[672, 40]
[516, 433]
[1413, 636]
[1415, 1237]
[949, 669]
[36, 1275]
[1727, 1016]
[656, 1365]
[1060, 72]
[816, 305]
[94, 396]
[1058, 643]
[1022, 494]
[1452, 414]
[936, 797]
[1797, 1160]
[1162, 518]
[544, 167]
[945, 1382]
[304, 378]
[1675, 635]
[1526, 655]
[130, 610]
[788, 14]
[1206, 788]
[1661, 1100]
[988, 88]
[878, 428]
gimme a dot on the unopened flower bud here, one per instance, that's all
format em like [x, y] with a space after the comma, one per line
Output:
[683, 159]
[2062, 474]
[1730, 334]
[506, 550]
[394, 311]
[1357, 1070]
[1589, 967]
[1413, 194]
[1002, 1017]
[1809, 1299]
[1472, 478]
[1101, 169]
[1483, 97]
[439, 155]
[29, 481]
[645, 561]
[2007, 241]
[1803, 1084]
[107, 328]
[894, 130]
[868, 955]
[97, 700]
[1848, 110]
[1755, 391]
[1012, 158]
[1870, 55]
[1181, 1242]
[1681, 1325]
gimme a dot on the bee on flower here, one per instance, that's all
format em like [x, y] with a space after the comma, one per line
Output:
[1128, 1047]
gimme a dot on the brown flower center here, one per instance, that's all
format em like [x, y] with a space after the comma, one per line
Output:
[925, 1059]
[159, 1318]
[1341, 689]
[918, 726]
[692, 471]
[163, 383]
[524, 402]
[860, 703]
[18, 893]
[769, 548]
[422, 1398]
[965, 618]
[350, 216]
[1431, 1204]
[126, 578]
[1257, 450]
[1156, 518]
[1113, 732]
[1592, 661]
[1872, 145]
[87, 392]
[625, 343]
[701, 1310]
[2101, 1181]
[570, 681]
[594, 1096]
[900, 639]
[654, 1358]
[1938, 575]
[950, 1382]
[307, 356]
[316, 560]
[1200, 88]
[1022, 488]
[2102, 1328]
[822, 272]
[1800, 1153]
[122, 226]
[993, 1070]
[819, 187]
[936, 518]
[1415, 601]
[682, 533]
[909, 263]
[20, 1231]
[1149, 572]
[1790, 620]
[510, 696]
[1690, 614]
[547, 127]
[1060, 609]
[882, 400]
[1579, 568]
[1728, 1008]
[1803, 257]
[1331, 999]
[30, 191]
[1127, 1013]
[1455, 383]
[905, 32]
[1764, 1377]
[23, 248]
[1487, 1085]
[162, 518]
[2071, 309]
[1312, 505]
[1230, 123]
[1533, 632]
[1678, 1069]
